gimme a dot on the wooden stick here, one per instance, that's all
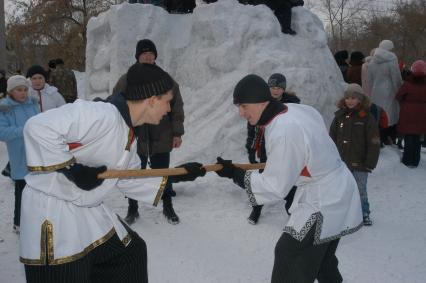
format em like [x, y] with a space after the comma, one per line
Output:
[111, 174]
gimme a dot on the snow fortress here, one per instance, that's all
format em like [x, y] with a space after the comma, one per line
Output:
[207, 53]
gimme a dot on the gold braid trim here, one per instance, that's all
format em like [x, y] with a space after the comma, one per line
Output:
[160, 191]
[51, 167]
[46, 247]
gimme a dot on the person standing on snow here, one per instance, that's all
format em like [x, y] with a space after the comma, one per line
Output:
[47, 95]
[384, 79]
[412, 116]
[356, 134]
[300, 152]
[15, 110]
[155, 142]
[64, 79]
[68, 234]
[255, 143]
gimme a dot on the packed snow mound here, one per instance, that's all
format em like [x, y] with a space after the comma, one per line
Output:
[207, 53]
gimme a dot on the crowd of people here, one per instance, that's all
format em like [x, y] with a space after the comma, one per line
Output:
[56, 146]
[397, 94]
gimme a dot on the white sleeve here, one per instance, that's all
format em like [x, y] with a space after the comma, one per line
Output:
[286, 160]
[147, 190]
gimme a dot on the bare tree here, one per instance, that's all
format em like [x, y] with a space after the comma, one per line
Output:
[3, 64]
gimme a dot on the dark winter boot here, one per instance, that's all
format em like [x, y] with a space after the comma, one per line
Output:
[169, 212]
[367, 221]
[131, 217]
[6, 170]
[132, 212]
[255, 214]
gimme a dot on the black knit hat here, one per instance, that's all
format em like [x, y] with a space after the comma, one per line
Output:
[277, 80]
[145, 45]
[251, 89]
[146, 80]
[36, 69]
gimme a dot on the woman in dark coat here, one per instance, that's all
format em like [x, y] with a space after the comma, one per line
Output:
[355, 66]
[412, 116]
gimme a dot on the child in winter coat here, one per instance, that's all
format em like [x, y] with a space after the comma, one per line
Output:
[356, 134]
[256, 142]
[47, 95]
[15, 110]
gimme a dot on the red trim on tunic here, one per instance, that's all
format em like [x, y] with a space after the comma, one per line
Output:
[74, 145]
[305, 172]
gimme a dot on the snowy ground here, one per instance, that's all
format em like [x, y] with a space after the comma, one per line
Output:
[214, 243]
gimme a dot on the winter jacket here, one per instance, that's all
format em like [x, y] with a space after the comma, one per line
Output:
[13, 116]
[412, 101]
[385, 80]
[48, 97]
[353, 74]
[356, 135]
[364, 76]
[255, 143]
[64, 80]
[154, 139]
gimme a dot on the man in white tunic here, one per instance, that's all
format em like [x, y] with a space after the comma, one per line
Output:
[67, 233]
[300, 153]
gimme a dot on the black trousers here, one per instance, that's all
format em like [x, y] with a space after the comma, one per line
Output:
[412, 148]
[110, 262]
[19, 187]
[302, 262]
[157, 161]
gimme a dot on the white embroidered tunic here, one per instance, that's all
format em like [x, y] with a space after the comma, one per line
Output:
[301, 153]
[59, 221]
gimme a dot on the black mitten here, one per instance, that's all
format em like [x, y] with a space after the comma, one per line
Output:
[228, 168]
[252, 156]
[194, 169]
[85, 177]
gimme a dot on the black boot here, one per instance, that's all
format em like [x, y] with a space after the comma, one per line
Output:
[169, 212]
[255, 214]
[132, 212]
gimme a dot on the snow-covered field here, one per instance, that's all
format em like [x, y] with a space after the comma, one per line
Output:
[215, 244]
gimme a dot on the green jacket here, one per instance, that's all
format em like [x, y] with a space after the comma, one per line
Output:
[154, 139]
[356, 135]
[64, 80]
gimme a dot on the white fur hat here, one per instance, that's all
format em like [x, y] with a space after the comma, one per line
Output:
[15, 81]
[386, 44]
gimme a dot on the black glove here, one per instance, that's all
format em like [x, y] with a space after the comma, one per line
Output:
[194, 169]
[252, 156]
[85, 177]
[228, 168]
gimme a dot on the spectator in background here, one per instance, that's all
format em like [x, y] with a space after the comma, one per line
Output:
[355, 66]
[52, 65]
[364, 74]
[47, 95]
[3, 84]
[412, 116]
[15, 110]
[385, 79]
[341, 57]
[355, 132]
[155, 142]
[64, 79]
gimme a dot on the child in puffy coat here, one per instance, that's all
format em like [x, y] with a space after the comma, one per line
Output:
[356, 134]
[15, 110]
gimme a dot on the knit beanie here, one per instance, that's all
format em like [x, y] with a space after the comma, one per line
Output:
[386, 44]
[355, 91]
[15, 81]
[252, 89]
[36, 69]
[277, 80]
[146, 80]
[145, 45]
[357, 57]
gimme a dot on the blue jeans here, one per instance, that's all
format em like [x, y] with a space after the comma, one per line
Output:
[361, 181]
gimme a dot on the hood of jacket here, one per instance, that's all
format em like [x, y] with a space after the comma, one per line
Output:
[8, 103]
[382, 56]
